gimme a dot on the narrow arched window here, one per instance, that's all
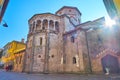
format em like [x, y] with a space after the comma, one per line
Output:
[57, 26]
[45, 24]
[33, 27]
[74, 60]
[99, 39]
[38, 25]
[41, 40]
[30, 28]
[51, 25]
[72, 39]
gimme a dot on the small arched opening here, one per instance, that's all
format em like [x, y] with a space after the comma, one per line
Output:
[38, 25]
[45, 24]
[33, 27]
[51, 25]
[57, 26]
[74, 60]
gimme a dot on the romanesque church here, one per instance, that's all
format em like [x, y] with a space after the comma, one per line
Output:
[60, 43]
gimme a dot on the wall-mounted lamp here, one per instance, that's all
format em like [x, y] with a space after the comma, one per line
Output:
[4, 24]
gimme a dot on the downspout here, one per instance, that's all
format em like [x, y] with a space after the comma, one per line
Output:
[89, 60]
[46, 66]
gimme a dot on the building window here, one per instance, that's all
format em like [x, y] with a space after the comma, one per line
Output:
[33, 28]
[51, 25]
[99, 39]
[30, 28]
[64, 59]
[60, 12]
[38, 25]
[45, 24]
[57, 26]
[69, 10]
[72, 39]
[40, 40]
[74, 60]
[43, 28]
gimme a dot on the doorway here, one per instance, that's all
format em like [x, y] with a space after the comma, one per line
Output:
[111, 63]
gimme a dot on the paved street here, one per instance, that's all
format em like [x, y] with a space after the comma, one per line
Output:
[23, 76]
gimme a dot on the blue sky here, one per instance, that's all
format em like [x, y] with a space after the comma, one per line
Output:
[18, 13]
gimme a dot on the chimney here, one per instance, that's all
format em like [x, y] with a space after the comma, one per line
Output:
[22, 40]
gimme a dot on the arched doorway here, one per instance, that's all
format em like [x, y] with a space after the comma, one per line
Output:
[110, 62]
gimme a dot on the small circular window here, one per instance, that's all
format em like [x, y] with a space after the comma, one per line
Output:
[52, 56]
[39, 56]
[69, 10]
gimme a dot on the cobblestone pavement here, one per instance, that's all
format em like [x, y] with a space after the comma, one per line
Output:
[23, 76]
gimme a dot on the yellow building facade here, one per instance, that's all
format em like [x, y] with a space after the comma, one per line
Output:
[13, 47]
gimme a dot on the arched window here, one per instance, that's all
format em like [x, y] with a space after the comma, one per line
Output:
[41, 40]
[74, 60]
[38, 25]
[30, 28]
[51, 25]
[45, 24]
[33, 28]
[72, 39]
[99, 39]
[57, 26]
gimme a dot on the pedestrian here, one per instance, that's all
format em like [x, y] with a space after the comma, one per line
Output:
[6, 67]
[10, 67]
[107, 71]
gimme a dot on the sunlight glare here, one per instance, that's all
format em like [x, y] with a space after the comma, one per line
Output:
[109, 22]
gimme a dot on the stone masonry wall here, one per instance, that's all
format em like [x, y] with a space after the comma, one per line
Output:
[78, 50]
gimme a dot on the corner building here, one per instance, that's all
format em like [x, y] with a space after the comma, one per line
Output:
[59, 43]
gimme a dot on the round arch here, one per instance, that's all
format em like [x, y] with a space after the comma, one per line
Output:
[45, 24]
[51, 24]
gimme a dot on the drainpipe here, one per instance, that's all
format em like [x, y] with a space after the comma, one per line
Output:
[32, 54]
[46, 66]
[89, 60]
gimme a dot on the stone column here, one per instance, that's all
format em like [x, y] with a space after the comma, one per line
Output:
[41, 24]
[48, 25]
[35, 26]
